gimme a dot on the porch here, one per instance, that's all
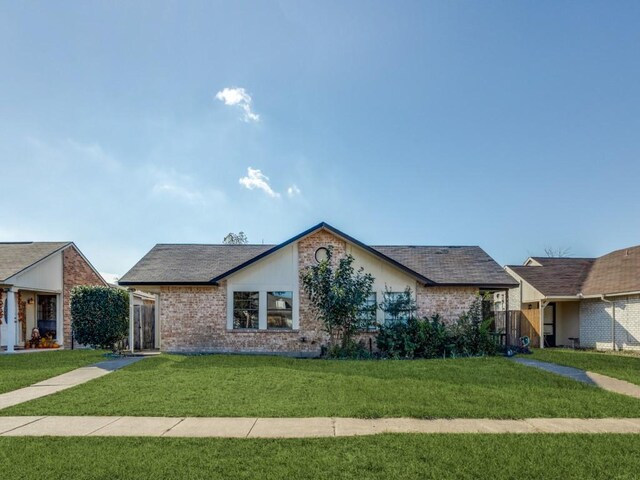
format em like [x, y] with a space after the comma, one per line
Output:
[32, 318]
[559, 323]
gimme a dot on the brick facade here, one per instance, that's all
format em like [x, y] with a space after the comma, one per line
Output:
[448, 302]
[194, 318]
[596, 320]
[75, 271]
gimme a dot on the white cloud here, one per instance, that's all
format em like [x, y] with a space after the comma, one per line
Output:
[293, 190]
[182, 188]
[256, 179]
[238, 97]
[71, 153]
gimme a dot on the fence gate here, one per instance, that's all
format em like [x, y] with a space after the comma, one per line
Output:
[515, 324]
[144, 327]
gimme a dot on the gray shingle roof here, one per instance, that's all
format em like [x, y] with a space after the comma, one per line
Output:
[16, 256]
[175, 264]
[450, 265]
[185, 263]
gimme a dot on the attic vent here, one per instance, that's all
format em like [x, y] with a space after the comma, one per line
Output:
[440, 252]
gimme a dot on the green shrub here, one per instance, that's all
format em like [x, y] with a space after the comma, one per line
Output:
[415, 338]
[469, 335]
[99, 316]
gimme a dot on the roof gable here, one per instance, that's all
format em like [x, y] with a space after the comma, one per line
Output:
[16, 257]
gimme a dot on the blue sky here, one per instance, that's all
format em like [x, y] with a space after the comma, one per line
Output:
[513, 125]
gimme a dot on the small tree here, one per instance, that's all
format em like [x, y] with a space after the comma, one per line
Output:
[99, 316]
[399, 306]
[338, 294]
[235, 239]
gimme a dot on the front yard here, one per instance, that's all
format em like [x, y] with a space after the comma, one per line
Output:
[24, 369]
[381, 457]
[247, 386]
[620, 366]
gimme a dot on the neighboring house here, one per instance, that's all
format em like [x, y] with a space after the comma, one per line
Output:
[36, 279]
[248, 298]
[593, 302]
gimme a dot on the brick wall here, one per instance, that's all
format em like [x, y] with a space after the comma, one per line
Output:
[449, 302]
[194, 319]
[75, 271]
[596, 318]
[22, 315]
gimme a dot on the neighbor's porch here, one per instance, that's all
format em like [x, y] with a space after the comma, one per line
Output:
[31, 319]
[559, 324]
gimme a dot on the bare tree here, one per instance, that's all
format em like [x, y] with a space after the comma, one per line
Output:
[558, 252]
[236, 239]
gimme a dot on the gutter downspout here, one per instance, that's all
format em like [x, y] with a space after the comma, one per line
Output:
[613, 321]
[131, 321]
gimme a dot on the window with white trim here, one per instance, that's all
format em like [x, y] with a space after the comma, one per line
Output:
[246, 310]
[279, 310]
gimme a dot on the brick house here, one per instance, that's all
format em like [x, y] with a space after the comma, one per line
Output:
[36, 279]
[248, 299]
[591, 302]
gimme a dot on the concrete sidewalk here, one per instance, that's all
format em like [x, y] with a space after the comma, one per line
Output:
[297, 427]
[64, 381]
[591, 378]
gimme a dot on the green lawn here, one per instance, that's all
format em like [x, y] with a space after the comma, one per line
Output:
[245, 386]
[23, 369]
[378, 457]
[623, 367]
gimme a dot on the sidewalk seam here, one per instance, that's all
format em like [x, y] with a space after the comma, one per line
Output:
[173, 426]
[103, 426]
[24, 425]
[251, 429]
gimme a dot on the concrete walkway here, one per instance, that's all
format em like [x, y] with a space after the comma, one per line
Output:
[296, 427]
[591, 378]
[64, 381]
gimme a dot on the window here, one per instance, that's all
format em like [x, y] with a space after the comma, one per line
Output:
[47, 315]
[368, 312]
[399, 307]
[280, 310]
[245, 309]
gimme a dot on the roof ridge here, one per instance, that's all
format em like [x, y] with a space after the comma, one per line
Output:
[220, 244]
[430, 246]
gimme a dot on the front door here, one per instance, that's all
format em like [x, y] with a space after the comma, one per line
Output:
[550, 325]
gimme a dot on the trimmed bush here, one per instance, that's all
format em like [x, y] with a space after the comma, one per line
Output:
[468, 336]
[99, 316]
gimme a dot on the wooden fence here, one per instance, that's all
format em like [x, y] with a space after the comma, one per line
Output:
[515, 324]
[144, 331]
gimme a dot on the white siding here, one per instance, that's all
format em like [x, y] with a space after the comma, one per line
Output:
[385, 275]
[277, 272]
[45, 276]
